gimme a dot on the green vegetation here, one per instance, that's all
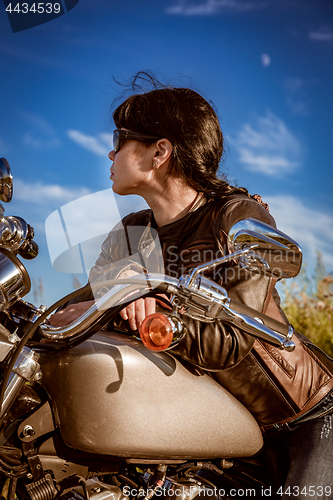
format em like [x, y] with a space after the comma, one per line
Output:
[308, 304]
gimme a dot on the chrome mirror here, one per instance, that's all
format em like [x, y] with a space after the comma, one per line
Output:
[275, 255]
[6, 181]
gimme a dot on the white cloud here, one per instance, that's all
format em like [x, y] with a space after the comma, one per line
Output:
[323, 34]
[108, 139]
[100, 146]
[294, 84]
[312, 229]
[41, 134]
[46, 194]
[265, 60]
[41, 58]
[297, 96]
[268, 146]
[212, 7]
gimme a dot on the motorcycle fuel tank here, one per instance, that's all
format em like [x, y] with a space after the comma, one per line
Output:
[113, 396]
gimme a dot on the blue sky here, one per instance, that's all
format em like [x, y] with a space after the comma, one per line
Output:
[265, 64]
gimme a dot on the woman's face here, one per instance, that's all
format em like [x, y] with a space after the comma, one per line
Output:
[131, 171]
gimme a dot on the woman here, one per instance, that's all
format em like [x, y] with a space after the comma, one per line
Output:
[167, 149]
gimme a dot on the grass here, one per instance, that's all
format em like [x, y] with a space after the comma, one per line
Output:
[308, 304]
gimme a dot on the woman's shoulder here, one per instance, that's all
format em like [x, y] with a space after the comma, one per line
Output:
[143, 217]
[116, 234]
[231, 209]
[117, 238]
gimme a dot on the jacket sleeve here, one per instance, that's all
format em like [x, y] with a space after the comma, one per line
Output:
[131, 245]
[115, 256]
[119, 252]
[216, 346]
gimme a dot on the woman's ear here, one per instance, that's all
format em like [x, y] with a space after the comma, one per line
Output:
[163, 151]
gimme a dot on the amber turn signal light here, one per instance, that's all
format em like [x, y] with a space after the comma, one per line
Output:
[156, 332]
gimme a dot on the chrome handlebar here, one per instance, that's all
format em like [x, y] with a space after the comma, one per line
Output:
[202, 299]
[121, 290]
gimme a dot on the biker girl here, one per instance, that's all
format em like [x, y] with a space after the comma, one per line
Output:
[167, 148]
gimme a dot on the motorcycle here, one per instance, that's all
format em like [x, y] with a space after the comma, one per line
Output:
[88, 412]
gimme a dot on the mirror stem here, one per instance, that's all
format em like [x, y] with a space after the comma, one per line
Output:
[211, 265]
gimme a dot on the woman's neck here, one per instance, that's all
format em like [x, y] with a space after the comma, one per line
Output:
[173, 203]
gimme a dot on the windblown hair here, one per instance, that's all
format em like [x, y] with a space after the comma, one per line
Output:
[189, 122]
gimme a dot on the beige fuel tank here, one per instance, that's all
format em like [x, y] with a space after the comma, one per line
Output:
[113, 396]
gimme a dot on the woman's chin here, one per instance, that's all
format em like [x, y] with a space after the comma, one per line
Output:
[119, 191]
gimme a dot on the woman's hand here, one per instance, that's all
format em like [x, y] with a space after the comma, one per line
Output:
[70, 313]
[136, 311]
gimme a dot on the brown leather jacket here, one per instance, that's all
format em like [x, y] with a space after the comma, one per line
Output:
[276, 386]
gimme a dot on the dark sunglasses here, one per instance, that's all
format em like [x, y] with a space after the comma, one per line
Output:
[119, 136]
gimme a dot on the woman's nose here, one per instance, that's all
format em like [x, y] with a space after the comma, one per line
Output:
[112, 154]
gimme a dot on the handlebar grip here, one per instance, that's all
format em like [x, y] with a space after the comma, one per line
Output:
[275, 325]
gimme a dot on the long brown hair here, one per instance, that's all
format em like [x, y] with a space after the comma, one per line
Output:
[189, 122]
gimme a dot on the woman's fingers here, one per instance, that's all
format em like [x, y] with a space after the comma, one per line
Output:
[143, 308]
[150, 305]
[139, 313]
[136, 312]
[128, 313]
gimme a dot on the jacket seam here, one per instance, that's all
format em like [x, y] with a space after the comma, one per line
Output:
[315, 393]
[301, 413]
[279, 385]
[273, 383]
[237, 199]
[315, 347]
[317, 360]
[276, 362]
